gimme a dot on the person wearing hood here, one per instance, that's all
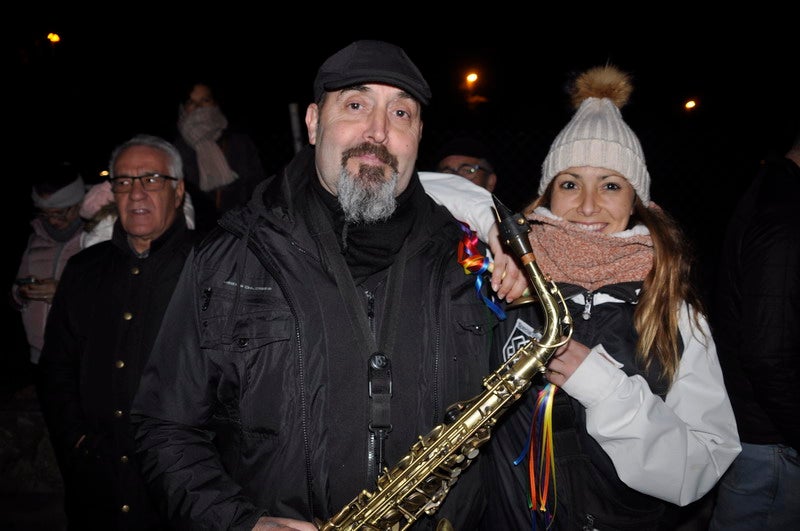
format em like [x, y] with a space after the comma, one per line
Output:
[320, 330]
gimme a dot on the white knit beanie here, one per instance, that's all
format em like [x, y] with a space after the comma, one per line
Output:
[597, 135]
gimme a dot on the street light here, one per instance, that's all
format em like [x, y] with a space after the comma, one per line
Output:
[470, 84]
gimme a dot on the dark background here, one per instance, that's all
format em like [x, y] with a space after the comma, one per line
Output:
[120, 70]
[124, 74]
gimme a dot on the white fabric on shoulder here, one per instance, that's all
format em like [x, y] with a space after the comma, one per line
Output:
[468, 202]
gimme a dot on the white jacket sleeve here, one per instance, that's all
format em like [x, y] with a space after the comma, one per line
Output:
[468, 202]
[674, 449]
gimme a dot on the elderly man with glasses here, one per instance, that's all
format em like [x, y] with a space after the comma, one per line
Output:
[105, 316]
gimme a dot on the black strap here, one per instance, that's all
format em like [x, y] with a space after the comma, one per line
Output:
[380, 394]
[379, 363]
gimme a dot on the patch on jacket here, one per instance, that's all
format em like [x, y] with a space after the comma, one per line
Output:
[521, 334]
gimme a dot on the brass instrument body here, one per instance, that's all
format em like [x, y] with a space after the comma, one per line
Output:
[418, 484]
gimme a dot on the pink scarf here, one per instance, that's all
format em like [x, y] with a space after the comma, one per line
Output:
[570, 254]
[201, 129]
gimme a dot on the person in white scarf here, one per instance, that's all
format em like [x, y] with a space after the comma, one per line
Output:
[201, 127]
[222, 165]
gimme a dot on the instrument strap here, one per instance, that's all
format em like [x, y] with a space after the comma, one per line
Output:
[379, 361]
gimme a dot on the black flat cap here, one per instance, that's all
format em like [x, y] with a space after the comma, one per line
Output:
[369, 61]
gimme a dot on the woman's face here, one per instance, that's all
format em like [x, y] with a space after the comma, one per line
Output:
[200, 96]
[596, 199]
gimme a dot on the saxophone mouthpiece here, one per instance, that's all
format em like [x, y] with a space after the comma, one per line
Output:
[513, 227]
[501, 211]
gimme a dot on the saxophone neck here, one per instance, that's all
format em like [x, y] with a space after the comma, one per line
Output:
[513, 228]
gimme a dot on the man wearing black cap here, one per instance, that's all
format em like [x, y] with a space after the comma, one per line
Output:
[322, 328]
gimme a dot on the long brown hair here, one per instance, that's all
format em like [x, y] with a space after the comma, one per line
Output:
[666, 287]
[668, 284]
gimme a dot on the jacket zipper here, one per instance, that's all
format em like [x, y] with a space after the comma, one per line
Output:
[588, 301]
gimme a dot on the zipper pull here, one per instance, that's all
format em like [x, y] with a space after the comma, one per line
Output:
[370, 310]
[587, 305]
[206, 299]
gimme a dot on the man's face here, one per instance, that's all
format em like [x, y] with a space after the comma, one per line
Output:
[470, 168]
[367, 138]
[146, 215]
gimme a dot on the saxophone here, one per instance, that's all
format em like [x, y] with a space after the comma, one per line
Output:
[418, 484]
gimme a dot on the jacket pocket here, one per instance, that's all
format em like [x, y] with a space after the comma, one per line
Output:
[245, 332]
[472, 319]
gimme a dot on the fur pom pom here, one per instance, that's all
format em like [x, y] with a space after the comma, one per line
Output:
[602, 82]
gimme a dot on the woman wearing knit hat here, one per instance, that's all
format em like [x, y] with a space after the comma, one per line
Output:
[55, 236]
[640, 415]
[632, 414]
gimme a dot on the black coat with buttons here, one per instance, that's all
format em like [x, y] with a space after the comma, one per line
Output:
[102, 325]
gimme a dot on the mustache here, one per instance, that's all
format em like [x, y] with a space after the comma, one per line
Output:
[377, 150]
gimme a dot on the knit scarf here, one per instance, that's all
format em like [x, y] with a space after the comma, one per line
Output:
[201, 129]
[591, 260]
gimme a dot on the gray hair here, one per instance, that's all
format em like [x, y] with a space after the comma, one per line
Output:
[175, 163]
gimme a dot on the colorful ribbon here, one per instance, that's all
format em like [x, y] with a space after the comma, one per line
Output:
[541, 458]
[476, 264]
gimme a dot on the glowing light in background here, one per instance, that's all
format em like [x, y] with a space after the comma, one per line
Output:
[470, 87]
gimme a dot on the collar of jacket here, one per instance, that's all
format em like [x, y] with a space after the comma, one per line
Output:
[120, 237]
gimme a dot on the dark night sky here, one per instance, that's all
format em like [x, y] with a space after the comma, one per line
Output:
[113, 78]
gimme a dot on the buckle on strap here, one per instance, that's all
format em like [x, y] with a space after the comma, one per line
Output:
[380, 392]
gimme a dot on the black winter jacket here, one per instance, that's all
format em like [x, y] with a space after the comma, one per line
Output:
[256, 398]
[105, 317]
[588, 492]
[756, 314]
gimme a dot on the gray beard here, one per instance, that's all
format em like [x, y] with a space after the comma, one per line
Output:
[367, 198]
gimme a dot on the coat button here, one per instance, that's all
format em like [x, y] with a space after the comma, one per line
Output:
[118, 413]
[119, 364]
[242, 342]
[123, 459]
[135, 270]
[125, 508]
[127, 316]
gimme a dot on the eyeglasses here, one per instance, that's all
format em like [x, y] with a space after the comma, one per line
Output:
[466, 170]
[151, 182]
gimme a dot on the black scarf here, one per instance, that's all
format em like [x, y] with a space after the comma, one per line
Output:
[371, 247]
